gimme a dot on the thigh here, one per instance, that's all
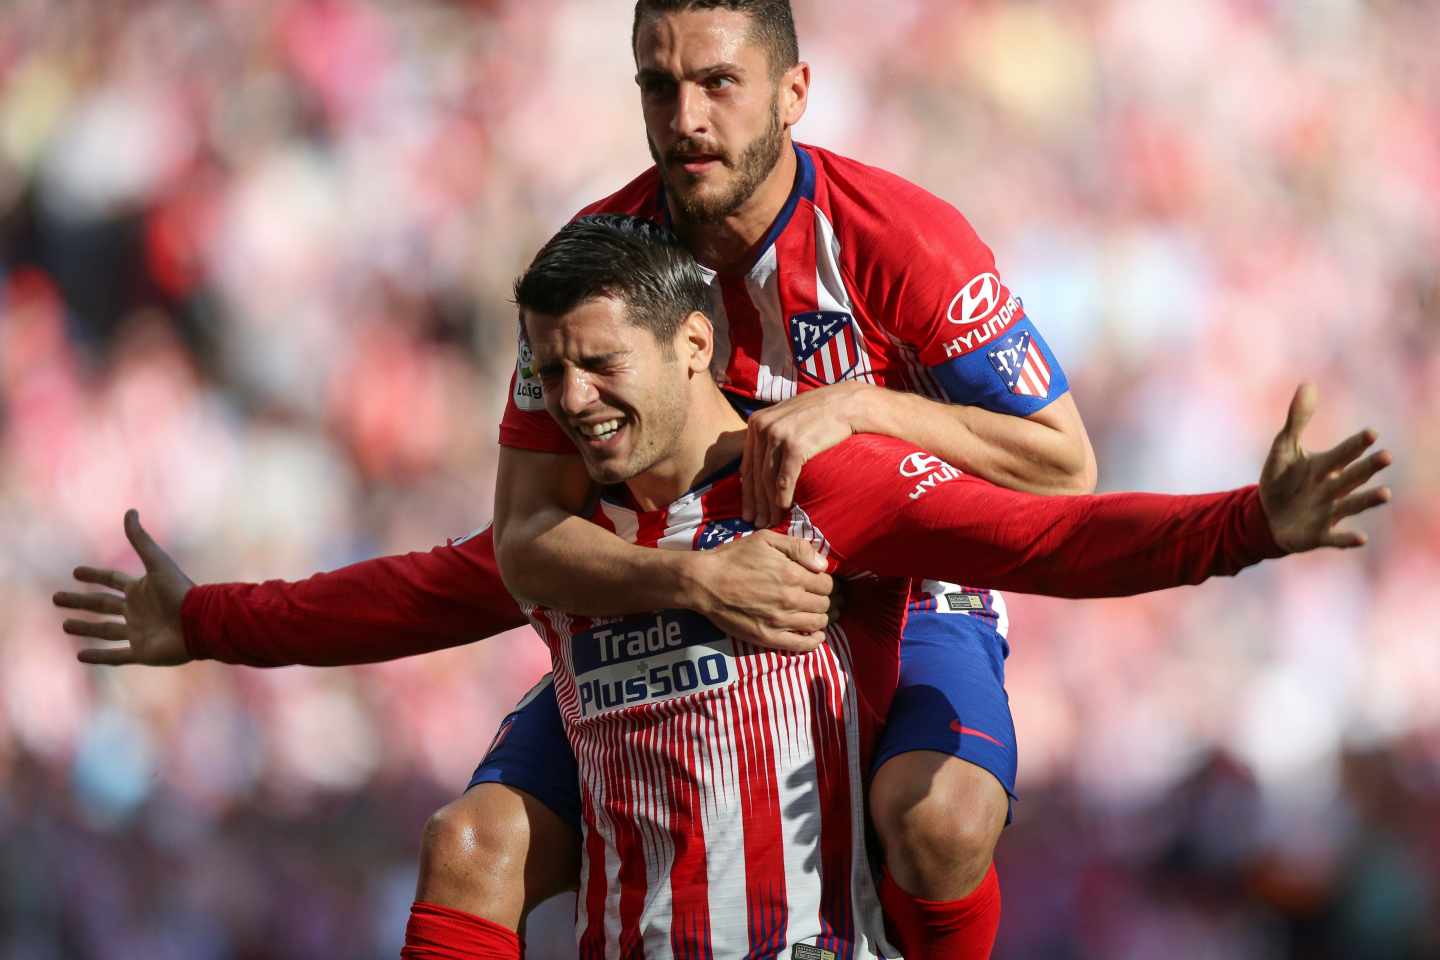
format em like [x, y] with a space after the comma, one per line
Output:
[951, 697]
[531, 753]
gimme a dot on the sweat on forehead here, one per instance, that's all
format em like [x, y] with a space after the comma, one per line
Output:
[772, 24]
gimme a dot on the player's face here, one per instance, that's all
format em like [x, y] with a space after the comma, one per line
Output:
[713, 112]
[618, 393]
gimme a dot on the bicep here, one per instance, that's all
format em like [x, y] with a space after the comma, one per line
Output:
[531, 486]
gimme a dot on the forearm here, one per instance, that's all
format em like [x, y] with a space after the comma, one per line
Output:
[559, 560]
[379, 609]
[1046, 454]
[1089, 546]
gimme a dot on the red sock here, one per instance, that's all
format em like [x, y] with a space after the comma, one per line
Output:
[443, 933]
[961, 929]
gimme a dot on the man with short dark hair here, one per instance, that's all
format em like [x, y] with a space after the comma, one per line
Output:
[722, 783]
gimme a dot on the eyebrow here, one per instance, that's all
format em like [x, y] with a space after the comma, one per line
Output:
[588, 362]
[655, 73]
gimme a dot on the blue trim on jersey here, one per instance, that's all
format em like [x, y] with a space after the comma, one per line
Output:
[804, 187]
[977, 377]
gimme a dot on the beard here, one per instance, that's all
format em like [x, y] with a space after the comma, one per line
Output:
[755, 163]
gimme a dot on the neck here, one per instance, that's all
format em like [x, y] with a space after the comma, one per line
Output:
[725, 245]
[714, 435]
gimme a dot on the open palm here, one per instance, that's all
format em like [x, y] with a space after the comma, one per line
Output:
[149, 629]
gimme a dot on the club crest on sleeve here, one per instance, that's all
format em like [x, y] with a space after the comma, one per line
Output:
[825, 345]
[717, 533]
[1021, 366]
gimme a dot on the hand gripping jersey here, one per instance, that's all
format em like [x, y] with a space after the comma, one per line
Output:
[722, 787]
[863, 276]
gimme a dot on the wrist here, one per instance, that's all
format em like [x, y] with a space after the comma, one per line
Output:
[687, 585]
[866, 409]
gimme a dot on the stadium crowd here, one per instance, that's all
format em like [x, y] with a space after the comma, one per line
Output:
[254, 276]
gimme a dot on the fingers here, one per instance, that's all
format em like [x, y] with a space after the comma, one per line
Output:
[1360, 502]
[766, 454]
[1302, 408]
[747, 479]
[786, 476]
[113, 579]
[107, 603]
[145, 547]
[1355, 475]
[794, 642]
[1344, 451]
[802, 552]
[97, 629]
[109, 657]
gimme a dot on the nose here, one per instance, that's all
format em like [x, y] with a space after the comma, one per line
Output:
[690, 117]
[576, 392]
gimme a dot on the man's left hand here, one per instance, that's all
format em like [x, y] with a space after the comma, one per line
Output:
[782, 438]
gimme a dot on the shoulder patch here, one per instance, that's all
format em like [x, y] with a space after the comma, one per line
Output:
[528, 395]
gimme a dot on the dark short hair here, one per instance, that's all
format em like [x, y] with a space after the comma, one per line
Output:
[630, 259]
[771, 21]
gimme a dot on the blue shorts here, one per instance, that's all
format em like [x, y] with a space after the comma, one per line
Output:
[950, 698]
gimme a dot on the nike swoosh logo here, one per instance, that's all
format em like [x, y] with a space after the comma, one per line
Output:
[965, 731]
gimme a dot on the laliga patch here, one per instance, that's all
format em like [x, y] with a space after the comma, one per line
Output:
[805, 951]
[528, 395]
[717, 533]
[1018, 362]
[824, 344]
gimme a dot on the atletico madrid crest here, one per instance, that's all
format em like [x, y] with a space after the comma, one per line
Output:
[825, 345]
[1020, 364]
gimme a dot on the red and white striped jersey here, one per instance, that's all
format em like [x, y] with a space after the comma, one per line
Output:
[863, 276]
[722, 784]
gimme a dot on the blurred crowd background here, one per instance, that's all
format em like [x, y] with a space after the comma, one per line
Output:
[254, 271]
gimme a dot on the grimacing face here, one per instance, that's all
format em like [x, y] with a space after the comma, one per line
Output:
[615, 391]
[712, 109]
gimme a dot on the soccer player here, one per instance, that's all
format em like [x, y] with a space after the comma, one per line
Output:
[722, 783]
[852, 301]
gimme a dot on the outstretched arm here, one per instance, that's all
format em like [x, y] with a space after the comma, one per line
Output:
[950, 525]
[375, 610]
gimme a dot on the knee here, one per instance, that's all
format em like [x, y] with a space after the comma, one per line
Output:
[939, 819]
[472, 857]
[464, 830]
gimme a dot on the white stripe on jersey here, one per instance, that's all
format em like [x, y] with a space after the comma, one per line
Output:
[720, 362]
[775, 378]
[831, 295]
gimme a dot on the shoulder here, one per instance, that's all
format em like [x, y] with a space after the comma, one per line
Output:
[639, 197]
[887, 215]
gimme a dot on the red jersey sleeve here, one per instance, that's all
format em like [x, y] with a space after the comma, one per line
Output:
[526, 425]
[886, 508]
[376, 610]
[928, 280]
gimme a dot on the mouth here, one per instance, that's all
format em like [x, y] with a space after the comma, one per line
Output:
[600, 435]
[696, 162]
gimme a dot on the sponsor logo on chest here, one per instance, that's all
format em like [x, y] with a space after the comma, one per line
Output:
[649, 658]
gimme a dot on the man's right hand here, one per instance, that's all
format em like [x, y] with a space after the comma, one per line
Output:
[149, 630]
[767, 589]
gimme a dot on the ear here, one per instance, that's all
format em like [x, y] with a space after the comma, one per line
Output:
[794, 93]
[695, 341]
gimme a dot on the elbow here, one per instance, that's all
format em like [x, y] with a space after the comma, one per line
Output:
[514, 557]
[1085, 479]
